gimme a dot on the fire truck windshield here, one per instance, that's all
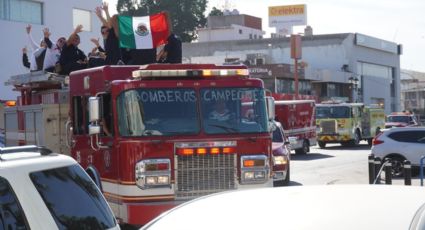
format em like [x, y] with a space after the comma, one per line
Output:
[171, 111]
[332, 112]
[167, 111]
[233, 110]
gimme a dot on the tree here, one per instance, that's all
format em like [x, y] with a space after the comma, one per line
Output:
[185, 15]
[216, 12]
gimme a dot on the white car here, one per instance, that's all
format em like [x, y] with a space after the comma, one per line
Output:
[43, 190]
[327, 207]
[400, 144]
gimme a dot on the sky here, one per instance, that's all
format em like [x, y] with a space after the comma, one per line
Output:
[402, 22]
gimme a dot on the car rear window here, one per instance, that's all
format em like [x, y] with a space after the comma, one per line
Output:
[415, 136]
[73, 199]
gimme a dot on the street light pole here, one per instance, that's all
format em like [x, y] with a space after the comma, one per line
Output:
[296, 54]
[354, 81]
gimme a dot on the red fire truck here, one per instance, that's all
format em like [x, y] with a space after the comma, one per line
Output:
[298, 120]
[148, 136]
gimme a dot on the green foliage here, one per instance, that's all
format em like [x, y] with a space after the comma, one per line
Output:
[216, 12]
[185, 15]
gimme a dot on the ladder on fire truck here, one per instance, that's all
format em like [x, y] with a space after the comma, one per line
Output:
[36, 81]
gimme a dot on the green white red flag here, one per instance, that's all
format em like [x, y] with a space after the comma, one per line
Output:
[143, 32]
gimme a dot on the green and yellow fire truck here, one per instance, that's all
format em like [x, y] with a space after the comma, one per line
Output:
[347, 123]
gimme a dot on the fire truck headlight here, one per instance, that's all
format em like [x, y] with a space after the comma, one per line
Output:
[254, 169]
[248, 175]
[153, 173]
[260, 175]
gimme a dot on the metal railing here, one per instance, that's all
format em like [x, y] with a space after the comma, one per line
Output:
[376, 167]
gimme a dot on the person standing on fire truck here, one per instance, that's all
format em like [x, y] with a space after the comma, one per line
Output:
[72, 58]
[109, 32]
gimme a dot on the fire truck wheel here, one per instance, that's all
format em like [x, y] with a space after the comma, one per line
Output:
[356, 139]
[322, 144]
[304, 149]
[369, 141]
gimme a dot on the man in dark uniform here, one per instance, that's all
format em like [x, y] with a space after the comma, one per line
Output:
[72, 58]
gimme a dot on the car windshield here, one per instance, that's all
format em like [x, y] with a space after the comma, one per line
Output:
[277, 135]
[332, 112]
[146, 112]
[405, 119]
[233, 110]
[73, 199]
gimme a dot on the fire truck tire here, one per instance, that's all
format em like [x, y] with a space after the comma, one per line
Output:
[322, 144]
[304, 149]
[369, 141]
[356, 140]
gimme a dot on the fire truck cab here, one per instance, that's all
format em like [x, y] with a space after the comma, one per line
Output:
[347, 123]
[154, 136]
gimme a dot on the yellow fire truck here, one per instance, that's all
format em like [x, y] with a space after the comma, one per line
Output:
[347, 123]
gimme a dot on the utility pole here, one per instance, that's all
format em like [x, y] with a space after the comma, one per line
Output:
[296, 54]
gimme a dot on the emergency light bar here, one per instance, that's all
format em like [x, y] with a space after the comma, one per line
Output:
[205, 73]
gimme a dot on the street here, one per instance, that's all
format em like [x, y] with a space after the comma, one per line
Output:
[334, 165]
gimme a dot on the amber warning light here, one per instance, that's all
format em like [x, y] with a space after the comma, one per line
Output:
[202, 73]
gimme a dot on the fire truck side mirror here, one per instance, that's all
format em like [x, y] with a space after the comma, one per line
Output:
[94, 129]
[94, 108]
[270, 108]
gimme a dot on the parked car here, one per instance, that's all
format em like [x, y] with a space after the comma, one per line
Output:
[401, 119]
[281, 156]
[328, 207]
[44, 190]
[400, 144]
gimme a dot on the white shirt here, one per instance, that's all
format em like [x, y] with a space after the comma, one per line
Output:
[52, 56]
[36, 51]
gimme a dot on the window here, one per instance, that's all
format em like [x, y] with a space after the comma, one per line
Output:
[82, 17]
[84, 206]
[165, 112]
[11, 213]
[106, 113]
[22, 11]
[233, 110]
[240, 31]
[409, 136]
[79, 110]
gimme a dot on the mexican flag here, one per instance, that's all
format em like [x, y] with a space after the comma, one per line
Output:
[143, 32]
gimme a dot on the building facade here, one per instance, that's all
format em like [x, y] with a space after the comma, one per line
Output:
[350, 66]
[413, 92]
[232, 26]
[60, 16]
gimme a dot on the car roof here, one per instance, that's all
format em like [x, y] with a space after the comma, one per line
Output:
[401, 129]
[300, 207]
[26, 160]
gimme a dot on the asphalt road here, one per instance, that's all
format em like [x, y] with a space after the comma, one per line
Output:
[334, 165]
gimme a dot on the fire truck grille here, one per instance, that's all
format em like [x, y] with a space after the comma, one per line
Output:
[329, 126]
[202, 175]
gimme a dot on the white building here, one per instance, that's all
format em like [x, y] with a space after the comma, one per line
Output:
[60, 16]
[233, 26]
